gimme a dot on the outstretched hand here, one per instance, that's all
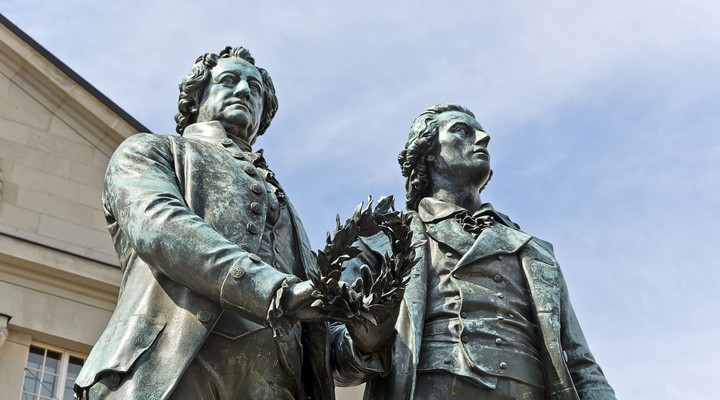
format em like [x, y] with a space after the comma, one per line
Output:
[371, 335]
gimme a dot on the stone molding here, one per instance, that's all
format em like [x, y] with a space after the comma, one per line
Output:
[4, 321]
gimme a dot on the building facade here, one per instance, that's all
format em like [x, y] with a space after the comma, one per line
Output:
[59, 274]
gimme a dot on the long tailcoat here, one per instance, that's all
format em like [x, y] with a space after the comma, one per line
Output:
[570, 370]
[186, 215]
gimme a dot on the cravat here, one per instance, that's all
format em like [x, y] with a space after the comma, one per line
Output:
[475, 223]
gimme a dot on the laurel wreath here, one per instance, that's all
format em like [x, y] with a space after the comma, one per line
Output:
[385, 285]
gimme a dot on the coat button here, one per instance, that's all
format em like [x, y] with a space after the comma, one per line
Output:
[256, 188]
[203, 316]
[465, 339]
[503, 365]
[448, 361]
[250, 170]
[227, 142]
[236, 272]
[449, 255]
[255, 207]
[497, 278]
[498, 341]
[500, 295]
[113, 380]
[463, 314]
[500, 318]
[254, 258]
[252, 228]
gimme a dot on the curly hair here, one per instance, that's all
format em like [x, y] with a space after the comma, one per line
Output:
[193, 87]
[422, 142]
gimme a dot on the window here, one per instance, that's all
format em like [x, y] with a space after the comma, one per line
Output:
[50, 374]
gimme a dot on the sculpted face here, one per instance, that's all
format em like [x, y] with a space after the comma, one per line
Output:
[461, 155]
[234, 97]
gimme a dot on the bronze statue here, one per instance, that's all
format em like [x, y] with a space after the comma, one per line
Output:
[215, 300]
[486, 313]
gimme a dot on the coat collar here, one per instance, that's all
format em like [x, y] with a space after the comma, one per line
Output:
[497, 239]
[212, 131]
[431, 209]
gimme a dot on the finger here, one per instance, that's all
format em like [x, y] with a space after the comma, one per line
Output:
[367, 278]
[357, 285]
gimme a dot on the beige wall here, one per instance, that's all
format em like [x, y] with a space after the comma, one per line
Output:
[58, 270]
[52, 176]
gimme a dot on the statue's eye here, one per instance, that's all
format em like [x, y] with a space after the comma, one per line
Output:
[255, 86]
[462, 129]
[228, 79]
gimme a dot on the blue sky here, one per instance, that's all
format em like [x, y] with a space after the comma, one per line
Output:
[604, 122]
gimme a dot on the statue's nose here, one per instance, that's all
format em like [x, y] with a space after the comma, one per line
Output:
[482, 138]
[242, 88]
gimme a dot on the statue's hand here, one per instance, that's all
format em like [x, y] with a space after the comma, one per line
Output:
[298, 303]
[369, 338]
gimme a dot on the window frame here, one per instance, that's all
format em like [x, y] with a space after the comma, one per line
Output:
[64, 363]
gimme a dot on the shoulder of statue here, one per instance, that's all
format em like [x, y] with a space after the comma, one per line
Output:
[547, 246]
[151, 140]
[143, 143]
[505, 220]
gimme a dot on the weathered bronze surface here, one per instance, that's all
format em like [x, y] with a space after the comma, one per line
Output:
[215, 301]
[486, 313]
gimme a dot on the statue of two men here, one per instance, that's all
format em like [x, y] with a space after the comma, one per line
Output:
[214, 257]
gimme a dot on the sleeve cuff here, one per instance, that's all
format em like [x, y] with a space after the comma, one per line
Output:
[250, 287]
[279, 321]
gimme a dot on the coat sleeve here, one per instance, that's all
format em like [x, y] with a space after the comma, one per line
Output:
[588, 378]
[350, 367]
[147, 213]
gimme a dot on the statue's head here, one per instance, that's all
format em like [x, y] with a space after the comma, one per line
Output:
[229, 88]
[423, 157]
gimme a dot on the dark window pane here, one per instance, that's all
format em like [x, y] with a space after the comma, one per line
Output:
[35, 358]
[74, 366]
[52, 362]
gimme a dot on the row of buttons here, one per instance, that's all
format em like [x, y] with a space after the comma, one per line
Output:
[465, 339]
[497, 278]
[233, 152]
[250, 170]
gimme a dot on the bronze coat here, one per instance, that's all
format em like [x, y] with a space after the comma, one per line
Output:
[178, 210]
[571, 372]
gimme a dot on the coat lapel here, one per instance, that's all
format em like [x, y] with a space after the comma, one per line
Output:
[497, 239]
[451, 234]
